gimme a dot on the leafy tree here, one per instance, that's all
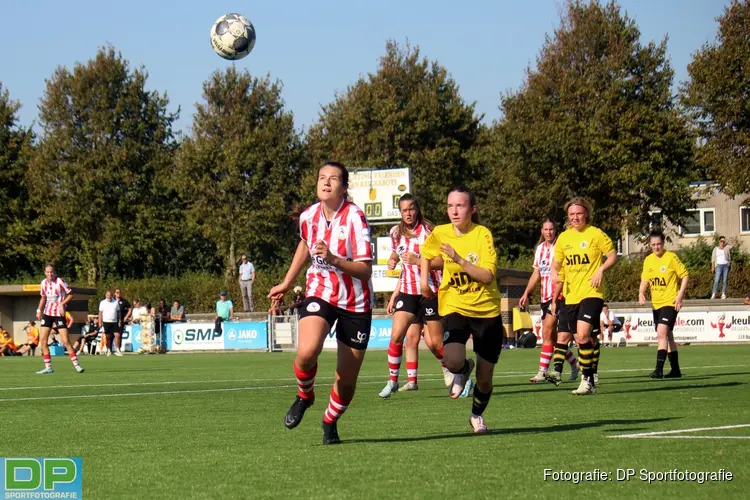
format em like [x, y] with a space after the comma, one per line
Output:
[595, 118]
[238, 173]
[16, 237]
[96, 177]
[407, 114]
[718, 98]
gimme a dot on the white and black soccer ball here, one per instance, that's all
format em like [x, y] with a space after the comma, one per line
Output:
[232, 36]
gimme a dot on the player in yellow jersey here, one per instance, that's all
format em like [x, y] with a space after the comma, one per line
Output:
[468, 298]
[578, 254]
[661, 272]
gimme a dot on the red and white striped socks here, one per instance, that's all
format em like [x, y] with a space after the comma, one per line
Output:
[47, 360]
[306, 382]
[73, 358]
[394, 360]
[546, 357]
[336, 407]
[411, 370]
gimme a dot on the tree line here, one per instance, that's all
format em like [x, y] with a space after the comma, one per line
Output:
[106, 188]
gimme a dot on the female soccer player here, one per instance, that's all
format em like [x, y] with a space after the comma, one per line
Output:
[661, 270]
[578, 255]
[409, 308]
[542, 269]
[468, 298]
[336, 235]
[51, 312]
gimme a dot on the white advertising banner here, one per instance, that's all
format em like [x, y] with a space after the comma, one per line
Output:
[691, 326]
[383, 249]
[194, 337]
[383, 279]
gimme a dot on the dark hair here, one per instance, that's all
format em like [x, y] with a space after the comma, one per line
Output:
[722, 238]
[342, 169]
[402, 228]
[472, 200]
[656, 233]
[546, 220]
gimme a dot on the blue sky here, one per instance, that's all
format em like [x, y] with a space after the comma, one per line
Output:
[315, 48]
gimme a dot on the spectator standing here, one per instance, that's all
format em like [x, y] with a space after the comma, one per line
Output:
[721, 260]
[139, 311]
[161, 315]
[247, 277]
[224, 311]
[124, 313]
[177, 313]
[109, 311]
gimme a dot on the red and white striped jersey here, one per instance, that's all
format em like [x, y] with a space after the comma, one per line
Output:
[55, 291]
[543, 262]
[410, 273]
[347, 236]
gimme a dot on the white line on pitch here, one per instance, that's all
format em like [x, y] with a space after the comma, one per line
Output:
[684, 437]
[160, 393]
[320, 377]
[680, 431]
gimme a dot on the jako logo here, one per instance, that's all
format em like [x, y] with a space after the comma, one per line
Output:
[195, 335]
[243, 335]
[41, 477]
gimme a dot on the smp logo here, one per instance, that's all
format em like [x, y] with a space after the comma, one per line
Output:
[195, 335]
[41, 478]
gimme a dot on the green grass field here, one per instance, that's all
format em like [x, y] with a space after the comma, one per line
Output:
[211, 426]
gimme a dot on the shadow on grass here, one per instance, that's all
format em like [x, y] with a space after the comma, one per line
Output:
[671, 386]
[519, 430]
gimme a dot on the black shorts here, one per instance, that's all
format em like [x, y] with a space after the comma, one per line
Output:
[351, 328]
[56, 322]
[109, 328]
[587, 310]
[667, 315]
[546, 306]
[488, 334]
[424, 309]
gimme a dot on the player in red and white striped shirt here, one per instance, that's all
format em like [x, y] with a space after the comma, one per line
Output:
[542, 273]
[55, 295]
[410, 310]
[336, 235]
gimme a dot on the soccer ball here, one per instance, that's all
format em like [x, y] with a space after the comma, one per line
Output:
[232, 37]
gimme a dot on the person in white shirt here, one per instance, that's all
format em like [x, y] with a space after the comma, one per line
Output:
[247, 277]
[608, 324]
[109, 311]
[721, 260]
[139, 310]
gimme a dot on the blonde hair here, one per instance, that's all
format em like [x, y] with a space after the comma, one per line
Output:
[581, 202]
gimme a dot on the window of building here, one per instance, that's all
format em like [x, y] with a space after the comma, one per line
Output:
[700, 221]
[745, 219]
